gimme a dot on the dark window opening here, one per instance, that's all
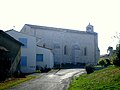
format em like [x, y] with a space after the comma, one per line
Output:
[39, 57]
[65, 50]
[85, 51]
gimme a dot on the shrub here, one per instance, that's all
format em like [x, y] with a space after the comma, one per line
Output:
[115, 60]
[38, 67]
[102, 62]
[45, 69]
[118, 51]
[108, 61]
[89, 68]
[56, 66]
[81, 64]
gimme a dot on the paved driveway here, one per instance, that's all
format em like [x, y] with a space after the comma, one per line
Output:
[57, 80]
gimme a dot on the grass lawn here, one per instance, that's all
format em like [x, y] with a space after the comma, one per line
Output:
[105, 79]
[9, 83]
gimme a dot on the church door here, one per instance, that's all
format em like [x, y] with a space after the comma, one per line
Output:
[75, 54]
[56, 52]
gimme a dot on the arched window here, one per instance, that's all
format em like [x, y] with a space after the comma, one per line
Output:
[65, 50]
[85, 51]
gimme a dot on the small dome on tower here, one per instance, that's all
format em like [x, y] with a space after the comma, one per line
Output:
[89, 28]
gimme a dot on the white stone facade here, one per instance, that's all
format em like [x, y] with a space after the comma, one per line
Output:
[68, 46]
[48, 61]
[28, 53]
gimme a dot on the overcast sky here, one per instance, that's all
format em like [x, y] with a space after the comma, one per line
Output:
[104, 15]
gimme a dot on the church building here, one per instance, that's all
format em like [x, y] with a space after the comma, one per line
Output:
[67, 46]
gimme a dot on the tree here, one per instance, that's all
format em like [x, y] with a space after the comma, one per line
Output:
[118, 45]
[118, 51]
[116, 61]
[110, 50]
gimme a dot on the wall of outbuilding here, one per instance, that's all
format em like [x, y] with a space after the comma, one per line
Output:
[11, 57]
[29, 51]
[48, 61]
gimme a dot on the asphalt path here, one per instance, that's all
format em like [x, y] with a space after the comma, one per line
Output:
[55, 80]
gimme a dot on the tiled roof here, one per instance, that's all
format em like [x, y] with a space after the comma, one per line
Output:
[58, 29]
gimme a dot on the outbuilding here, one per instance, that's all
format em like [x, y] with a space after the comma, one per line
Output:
[28, 51]
[44, 57]
[10, 52]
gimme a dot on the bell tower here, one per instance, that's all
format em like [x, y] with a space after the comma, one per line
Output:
[90, 28]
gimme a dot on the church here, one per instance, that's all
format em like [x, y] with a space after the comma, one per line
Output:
[67, 46]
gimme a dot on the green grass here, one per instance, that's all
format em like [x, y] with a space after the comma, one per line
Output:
[10, 83]
[105, 79]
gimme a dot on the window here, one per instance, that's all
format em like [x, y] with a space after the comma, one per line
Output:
[23, 41]
[23, 61]
[39, 57]
[85, 51]
[65, 50]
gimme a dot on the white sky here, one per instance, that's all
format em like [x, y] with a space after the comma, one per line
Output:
[104, 15]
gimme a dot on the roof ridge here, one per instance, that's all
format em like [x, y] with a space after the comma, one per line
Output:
[58, 29]
[33, 26]
[19, 32]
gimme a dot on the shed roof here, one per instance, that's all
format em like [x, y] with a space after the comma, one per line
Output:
[9, 37]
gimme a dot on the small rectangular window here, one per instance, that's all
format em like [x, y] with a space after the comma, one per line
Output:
[39, 57]
[23, 61]
[23, 41]
[85, 51]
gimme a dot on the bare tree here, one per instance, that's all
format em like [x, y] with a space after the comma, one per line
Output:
[110, 50]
